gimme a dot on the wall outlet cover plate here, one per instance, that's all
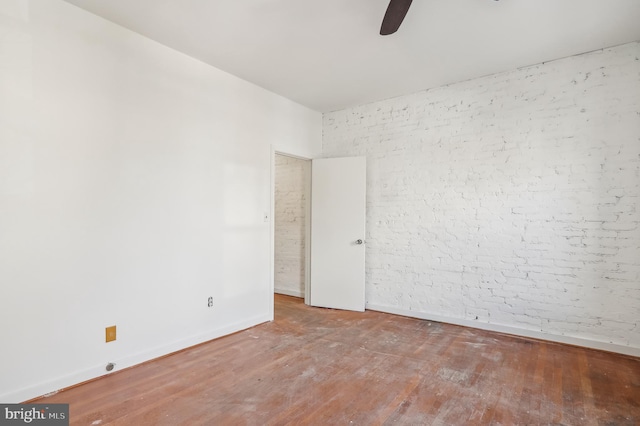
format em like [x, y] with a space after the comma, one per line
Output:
[110, 334]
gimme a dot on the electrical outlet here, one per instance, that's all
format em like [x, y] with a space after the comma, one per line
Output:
[110, 334]
[210, 302]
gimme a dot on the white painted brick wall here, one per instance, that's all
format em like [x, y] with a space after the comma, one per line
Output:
[289, 234]
[511, 199]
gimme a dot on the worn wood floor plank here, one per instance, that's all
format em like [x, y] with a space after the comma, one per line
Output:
[322, 366]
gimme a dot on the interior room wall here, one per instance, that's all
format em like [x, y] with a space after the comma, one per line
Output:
[134, 183]
[291, 175]
[508, 202]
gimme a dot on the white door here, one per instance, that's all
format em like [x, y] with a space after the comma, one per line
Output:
[338, 188]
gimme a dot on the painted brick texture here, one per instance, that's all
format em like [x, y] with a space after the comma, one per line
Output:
[289, 234]
[511, 199]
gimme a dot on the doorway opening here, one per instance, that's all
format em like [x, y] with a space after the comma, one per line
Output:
[292, 187]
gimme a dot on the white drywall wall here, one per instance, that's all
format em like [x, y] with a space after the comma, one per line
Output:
[133, 185]
[508, 202]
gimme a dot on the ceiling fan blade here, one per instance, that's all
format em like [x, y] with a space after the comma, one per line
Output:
[394, 16]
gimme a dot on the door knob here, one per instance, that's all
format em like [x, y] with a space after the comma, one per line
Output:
[359, 241]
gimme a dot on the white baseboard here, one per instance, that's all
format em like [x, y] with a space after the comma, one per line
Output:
[570, 340]
[293, 293]
[53, 386]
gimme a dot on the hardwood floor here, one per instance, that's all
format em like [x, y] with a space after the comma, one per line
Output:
[327, 367]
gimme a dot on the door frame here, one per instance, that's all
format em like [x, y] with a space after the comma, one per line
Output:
[272, 226]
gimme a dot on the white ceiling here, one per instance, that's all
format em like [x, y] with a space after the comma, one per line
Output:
[328, 55]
